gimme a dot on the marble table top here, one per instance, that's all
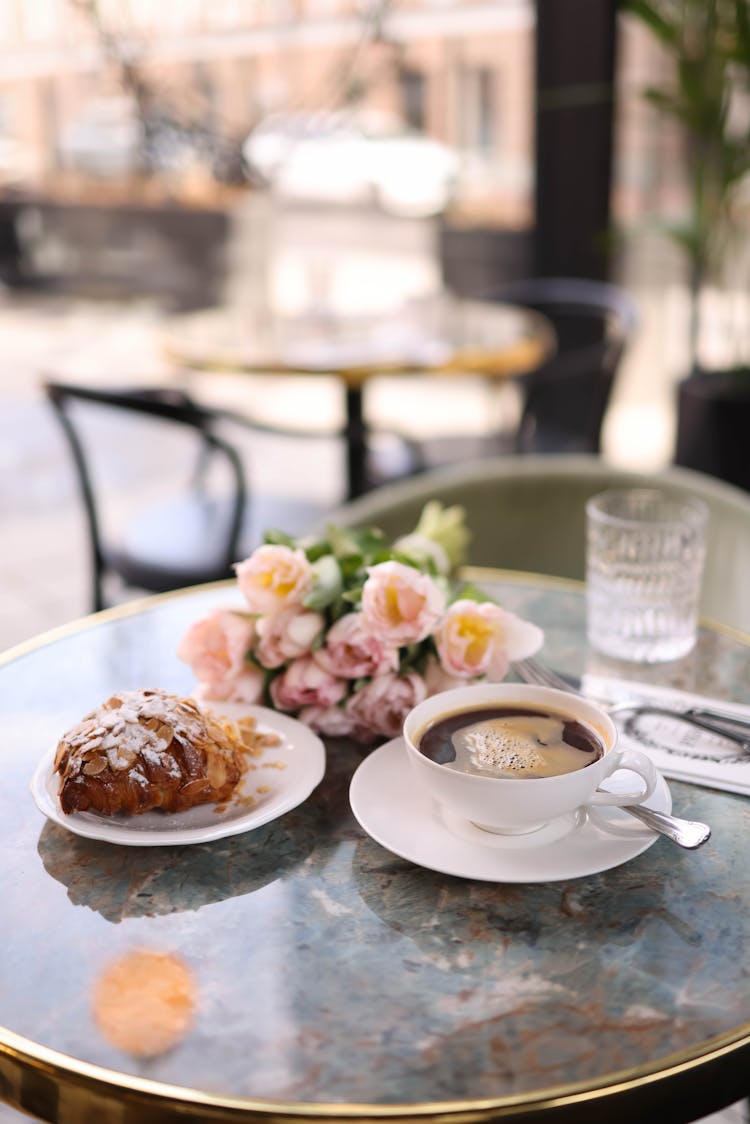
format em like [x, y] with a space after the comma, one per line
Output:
[333, 977]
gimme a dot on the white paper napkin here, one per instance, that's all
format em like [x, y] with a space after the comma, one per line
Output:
[677, 749]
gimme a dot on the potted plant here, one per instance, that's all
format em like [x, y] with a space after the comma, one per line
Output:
[708, 96]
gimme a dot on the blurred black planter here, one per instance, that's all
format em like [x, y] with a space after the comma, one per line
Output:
[713, 424]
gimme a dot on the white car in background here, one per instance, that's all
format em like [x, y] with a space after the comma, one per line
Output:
[352, 158]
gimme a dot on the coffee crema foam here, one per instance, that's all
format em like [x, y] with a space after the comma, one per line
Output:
[505, 745]
[510, 741]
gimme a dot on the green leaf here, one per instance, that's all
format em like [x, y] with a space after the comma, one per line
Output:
[279, 538]
[337, 610]
[412, 657]
[665, 102]
[469, 592]
[353, 571]
[270, 675]
[384, 554]
[650, 14]
[327, 583]
[352, 596]
[315, 548]
[741, 50]
[347, 543]
[424, 565]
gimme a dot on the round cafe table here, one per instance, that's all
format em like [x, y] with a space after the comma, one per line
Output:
[338, 982]
[443, 335]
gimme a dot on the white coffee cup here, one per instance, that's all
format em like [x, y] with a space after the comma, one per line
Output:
[511, 805]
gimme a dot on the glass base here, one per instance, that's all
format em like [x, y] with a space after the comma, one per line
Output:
[640, 649]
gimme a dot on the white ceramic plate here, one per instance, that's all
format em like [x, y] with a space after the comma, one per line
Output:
[396, 814]
[290, 770]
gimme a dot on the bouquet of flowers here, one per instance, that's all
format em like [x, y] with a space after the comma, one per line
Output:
[348, 633]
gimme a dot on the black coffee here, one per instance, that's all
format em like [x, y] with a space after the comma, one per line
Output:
[510, 741]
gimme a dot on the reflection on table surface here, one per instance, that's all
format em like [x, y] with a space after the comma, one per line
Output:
[440, 334]
[327, 971]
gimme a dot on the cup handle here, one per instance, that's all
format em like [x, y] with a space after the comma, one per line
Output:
[638, 763]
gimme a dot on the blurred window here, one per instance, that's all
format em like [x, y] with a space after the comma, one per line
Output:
[478, 116]
[413, 87]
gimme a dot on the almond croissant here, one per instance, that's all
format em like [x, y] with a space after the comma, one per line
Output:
[148, 749]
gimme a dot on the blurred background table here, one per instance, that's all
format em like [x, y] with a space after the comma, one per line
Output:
[440, 335]
[337, 980]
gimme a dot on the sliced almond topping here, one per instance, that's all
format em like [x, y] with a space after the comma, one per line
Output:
[196, 785]
[217, 771]
[95, 766]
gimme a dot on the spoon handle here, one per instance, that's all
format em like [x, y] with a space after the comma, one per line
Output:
[686, 833]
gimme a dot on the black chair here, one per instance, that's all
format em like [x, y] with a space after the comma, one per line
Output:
[564, 400]
[179, 541]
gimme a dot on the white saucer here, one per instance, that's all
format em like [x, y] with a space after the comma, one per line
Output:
[290, 771]
[397, 814]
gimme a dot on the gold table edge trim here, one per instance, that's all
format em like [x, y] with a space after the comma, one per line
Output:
[39, 1063]
[85, 1080]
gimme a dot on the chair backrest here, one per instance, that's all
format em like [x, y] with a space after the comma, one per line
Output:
[566, 398]
[172, 406]
[528, 514]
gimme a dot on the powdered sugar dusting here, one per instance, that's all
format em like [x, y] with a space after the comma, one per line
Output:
[136, 724]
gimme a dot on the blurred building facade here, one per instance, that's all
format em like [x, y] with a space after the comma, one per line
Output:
[462, 72]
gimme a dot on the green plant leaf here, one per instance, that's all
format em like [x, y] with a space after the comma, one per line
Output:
[665, 102]
[651, 14]
[314, 548]
[740, 51]
[327, 583]
[365, 543]
[423, 564]
[409, 657]
[279, 538]
[469, 592]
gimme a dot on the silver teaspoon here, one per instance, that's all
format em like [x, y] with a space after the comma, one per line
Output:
[685, 833]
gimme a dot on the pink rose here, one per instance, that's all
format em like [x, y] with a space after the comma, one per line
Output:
[480, 639]
[274, 577]
[287, 635]
[384, 702]
[334, 722]
[306, 683]
[216, 646]
[353, 652]
[399, 604]
[247, 687]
